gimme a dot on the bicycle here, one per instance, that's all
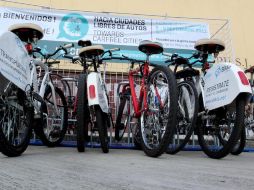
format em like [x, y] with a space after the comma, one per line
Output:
[54, 118]
[223, 91]
[22, 102]
[92, 98]
[155, 106]
[249, 120]
[187, 102]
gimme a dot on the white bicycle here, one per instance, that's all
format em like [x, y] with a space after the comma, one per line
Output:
[223, 92]
[24, 102]
[93, 109]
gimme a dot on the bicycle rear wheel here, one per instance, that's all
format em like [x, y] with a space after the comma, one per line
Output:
[53, 128]
[186, 116]
[158, 123]
[15, 122]
[239, 147]
[219, 130]
[83, 114]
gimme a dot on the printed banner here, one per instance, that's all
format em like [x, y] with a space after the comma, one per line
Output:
[14, 66]
[222, 84]
[108, 30]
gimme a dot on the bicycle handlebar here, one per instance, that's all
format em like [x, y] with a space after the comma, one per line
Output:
[47, 56]
[124, 58]
[167, 54]
[175, 59]
[73, 58]
[66, 46]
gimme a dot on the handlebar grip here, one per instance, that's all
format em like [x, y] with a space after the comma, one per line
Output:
[169, 61]
[114, 49]
[37, 49]
[75, 57]
[167, 54]
[68, 45]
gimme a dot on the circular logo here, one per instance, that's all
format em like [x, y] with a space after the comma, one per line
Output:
[73, 27]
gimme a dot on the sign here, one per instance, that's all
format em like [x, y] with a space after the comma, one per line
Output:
[222, 84]
[125, 32]
[14, 65]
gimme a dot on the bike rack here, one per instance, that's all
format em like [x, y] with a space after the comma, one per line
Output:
[117, 72]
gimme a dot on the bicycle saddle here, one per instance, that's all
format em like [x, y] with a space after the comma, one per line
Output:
[250, 70]
[91, 51]
[148, 47]
[27, 32]
[84, 43]
[209, 45]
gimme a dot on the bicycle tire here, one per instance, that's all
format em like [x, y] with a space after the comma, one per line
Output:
[49, 136]
[137, 138]
[191, 122]
[83, 114]
[218, 152]
[239, 147]
[151, 149]
[6, 146]
[102, 123]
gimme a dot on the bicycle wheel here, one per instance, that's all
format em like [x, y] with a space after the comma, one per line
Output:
[239, 147]
[102, 123]
[53, 128]
[225, 122]
[137, 136]
[83, 114]
[186, 116]
[15, 122]
[158, 122]
[123, 116]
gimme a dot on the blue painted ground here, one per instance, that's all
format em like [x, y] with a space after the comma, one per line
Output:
[123, 146]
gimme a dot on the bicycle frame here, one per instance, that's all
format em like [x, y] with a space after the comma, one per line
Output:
[45, 82]
[137, 102]
[96, 89]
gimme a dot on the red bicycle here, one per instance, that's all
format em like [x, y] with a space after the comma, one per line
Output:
[156, 106]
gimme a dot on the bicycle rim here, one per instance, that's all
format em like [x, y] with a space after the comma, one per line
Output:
[159, 121]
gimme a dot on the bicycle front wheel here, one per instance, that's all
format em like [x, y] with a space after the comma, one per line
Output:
[102, 123]
[186, 116]
[15, 122]
[158, 122]
[54, 125]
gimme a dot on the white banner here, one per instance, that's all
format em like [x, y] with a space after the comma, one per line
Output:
[106, 28]
[14, 60]
[223, 83]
